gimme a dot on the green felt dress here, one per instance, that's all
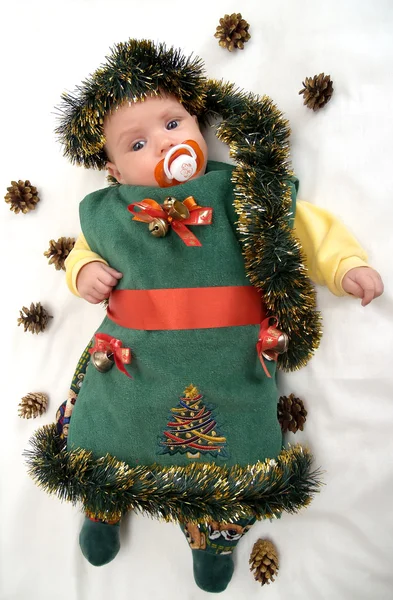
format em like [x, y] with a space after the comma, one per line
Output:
[134, 419]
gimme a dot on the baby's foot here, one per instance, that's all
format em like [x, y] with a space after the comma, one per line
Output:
[212, 572]
[99, 541]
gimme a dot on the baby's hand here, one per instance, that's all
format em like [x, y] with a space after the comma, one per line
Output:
[96, 280]
[363, 282]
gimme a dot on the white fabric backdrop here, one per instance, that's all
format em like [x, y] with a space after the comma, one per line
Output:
[342, 546]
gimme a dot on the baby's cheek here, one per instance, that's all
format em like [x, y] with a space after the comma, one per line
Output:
[139, 171]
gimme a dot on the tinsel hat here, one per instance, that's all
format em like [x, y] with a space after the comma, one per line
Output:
[134, 70]
[264, 187]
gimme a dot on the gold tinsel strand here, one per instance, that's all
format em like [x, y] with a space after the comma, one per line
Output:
[33, 405]
[317, 91]
[264, 561]
[21, 196]
[291, 413]
[58, 251]
[34, 319]
[232, 32]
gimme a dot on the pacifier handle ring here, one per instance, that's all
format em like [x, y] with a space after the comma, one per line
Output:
[171, 152]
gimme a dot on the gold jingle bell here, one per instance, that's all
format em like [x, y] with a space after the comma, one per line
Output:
[175, 209]
[280, 348]
[102, 361]
[282, 344]
[158, 227]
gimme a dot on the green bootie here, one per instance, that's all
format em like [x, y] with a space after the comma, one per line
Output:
[212, 572]
[99, 542]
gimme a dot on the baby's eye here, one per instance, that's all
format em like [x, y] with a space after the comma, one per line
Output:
[172, 124]
[138, 146]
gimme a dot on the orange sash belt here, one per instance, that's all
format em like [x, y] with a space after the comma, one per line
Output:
[186, 308]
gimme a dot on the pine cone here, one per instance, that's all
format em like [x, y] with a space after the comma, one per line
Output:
[35, 318]
[317, 91]
[58, 251]
[291, 413]
[264, 561]
[22, 196]
[33, 405]
[232, 32]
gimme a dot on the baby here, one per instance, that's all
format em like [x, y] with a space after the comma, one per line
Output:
[177, 412]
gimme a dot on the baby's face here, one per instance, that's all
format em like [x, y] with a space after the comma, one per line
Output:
[138, 136]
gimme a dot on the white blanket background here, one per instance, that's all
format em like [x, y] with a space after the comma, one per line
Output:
[341, 547]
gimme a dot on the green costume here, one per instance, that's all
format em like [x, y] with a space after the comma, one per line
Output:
[234, 419]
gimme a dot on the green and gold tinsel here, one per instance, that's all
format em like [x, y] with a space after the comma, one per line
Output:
[258, 139]
[198, 492]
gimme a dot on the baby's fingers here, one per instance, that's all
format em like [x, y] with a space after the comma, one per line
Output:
[92, 299]
[351, 287]
[379, 287]
[369, 289]
[368, 295]
[109, 276]
[102, 290]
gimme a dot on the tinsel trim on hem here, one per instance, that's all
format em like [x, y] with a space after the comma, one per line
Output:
[109, 488]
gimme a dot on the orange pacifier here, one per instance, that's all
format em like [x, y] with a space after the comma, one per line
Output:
[180, 164]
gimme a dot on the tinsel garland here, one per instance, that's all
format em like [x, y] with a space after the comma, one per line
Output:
[257, 135]
[109, 488]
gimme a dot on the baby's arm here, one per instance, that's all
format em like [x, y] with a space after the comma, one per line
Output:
[88, 275]
[334, 257]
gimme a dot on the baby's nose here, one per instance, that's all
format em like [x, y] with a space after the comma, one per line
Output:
[165, 144]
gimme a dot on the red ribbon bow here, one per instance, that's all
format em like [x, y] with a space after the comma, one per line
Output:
[109, 344]
[149, 209]
[267, 341]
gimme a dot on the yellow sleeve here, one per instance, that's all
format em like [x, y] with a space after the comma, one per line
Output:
[79, 256]
[330, 249]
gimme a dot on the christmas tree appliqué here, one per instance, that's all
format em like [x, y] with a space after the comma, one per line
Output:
[193, 428]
